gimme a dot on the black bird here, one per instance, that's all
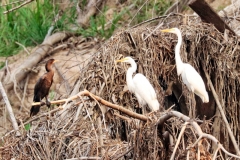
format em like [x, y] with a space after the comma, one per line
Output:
[42, 87]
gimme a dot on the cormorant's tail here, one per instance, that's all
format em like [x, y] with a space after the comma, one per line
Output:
[34, 110]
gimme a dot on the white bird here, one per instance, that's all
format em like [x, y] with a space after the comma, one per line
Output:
[140, 86]
[190, 76]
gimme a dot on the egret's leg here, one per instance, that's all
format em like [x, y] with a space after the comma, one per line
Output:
[193, 106]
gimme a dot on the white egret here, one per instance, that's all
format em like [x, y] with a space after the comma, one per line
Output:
[140, 86]
[190, 76]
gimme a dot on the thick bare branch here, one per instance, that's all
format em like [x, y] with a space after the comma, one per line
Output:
[9, 109]
[208, 15]
[20, 72]
[100, 100]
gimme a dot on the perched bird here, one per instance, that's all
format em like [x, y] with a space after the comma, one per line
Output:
[189, 75]
[140, 86]
[42, 87]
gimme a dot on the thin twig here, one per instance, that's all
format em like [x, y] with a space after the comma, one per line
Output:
[23, 47]
[66, 84]
[137, 12]
[123, 117]
[121, 155]
[11, 3]
[42, 115]
[215, 154]
[15, 8]
[179, 138]
[100, 135]
[85, 158]
[92, 127]
[24, 92]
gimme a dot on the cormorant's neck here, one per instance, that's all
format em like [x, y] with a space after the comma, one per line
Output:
[50, 72]
[129, 77]
[178, 60]
[49, 68]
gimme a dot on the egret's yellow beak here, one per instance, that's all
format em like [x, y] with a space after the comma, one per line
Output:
[168, 30]
[121, 60]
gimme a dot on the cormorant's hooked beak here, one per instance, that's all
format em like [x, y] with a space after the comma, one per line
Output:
[55, 61]
[168, 30]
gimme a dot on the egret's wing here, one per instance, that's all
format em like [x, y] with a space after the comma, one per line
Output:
[141, 101]
[143, 87]
[192, 77]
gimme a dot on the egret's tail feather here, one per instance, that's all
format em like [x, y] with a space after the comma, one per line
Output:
[154, 106]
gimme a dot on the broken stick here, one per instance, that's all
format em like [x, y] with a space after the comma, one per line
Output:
[208, 15]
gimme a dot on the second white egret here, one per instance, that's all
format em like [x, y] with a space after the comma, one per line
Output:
[190, 76]
[140, 86]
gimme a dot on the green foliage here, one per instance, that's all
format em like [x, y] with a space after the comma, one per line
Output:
[151, 9]
[51, 95]
[2, 64]
[101, 26]
[27, 25]
[27, 127]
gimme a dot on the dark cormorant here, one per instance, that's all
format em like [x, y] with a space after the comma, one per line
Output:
[42, 87]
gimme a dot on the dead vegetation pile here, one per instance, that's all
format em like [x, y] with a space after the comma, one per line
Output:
[86, 128]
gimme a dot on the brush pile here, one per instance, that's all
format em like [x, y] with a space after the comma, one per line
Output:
[88, 129]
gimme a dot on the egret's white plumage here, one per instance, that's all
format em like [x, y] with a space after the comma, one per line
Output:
[190, 76]
[140, 86]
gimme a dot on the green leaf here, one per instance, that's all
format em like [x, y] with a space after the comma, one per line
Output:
[27, 127]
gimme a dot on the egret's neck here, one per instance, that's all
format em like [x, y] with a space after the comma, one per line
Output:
[178, 60]
[129, 78]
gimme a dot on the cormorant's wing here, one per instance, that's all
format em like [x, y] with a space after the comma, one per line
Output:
[37, 89]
